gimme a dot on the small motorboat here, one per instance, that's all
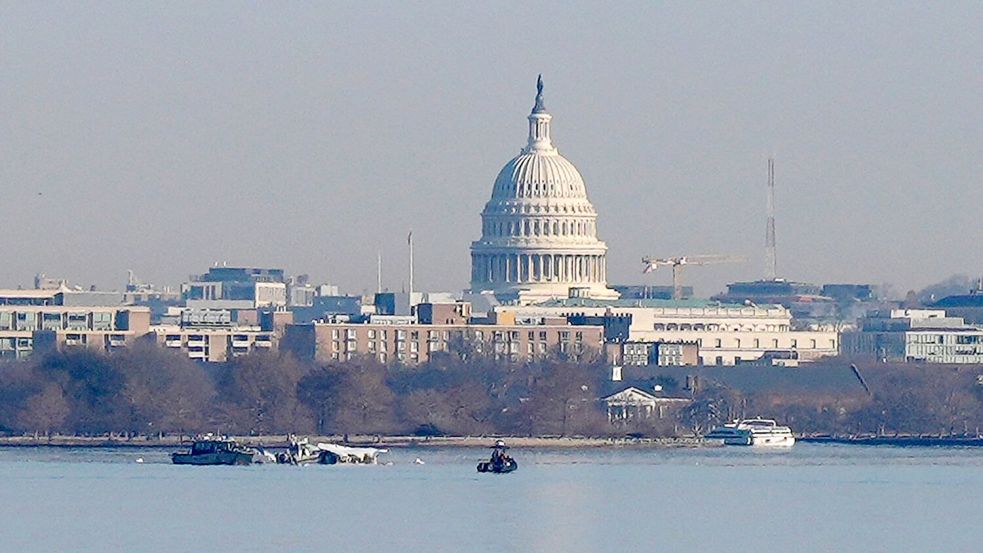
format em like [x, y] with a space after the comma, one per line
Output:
[214, 451]
[500, 462]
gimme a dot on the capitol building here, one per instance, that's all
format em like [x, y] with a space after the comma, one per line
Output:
[539, 229]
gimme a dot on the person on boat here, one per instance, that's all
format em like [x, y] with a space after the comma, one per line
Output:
[499, 457]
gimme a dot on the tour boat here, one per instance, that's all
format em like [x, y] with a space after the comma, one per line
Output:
[754, 432]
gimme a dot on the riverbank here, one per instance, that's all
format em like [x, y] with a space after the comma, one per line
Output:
[376, 441]
[898, 441]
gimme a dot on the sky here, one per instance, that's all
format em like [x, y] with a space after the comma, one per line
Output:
[164, 137]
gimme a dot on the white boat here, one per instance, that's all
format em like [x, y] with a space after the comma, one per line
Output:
[754, 432]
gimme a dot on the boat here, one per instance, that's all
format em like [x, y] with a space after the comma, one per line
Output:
[753, 432]
[500, 462]
[215, 451]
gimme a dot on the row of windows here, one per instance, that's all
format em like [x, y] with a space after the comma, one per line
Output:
[537, 228]
[713, 327]
[758, 343]
[30, 321]
[348, 334]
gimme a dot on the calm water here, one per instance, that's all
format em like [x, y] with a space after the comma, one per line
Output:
[813, 498]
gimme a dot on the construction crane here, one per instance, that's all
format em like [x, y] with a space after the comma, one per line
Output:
[677, 264]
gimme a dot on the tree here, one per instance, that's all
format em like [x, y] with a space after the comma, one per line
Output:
[258, 395]
[364, 403]
[319, 390]
[167, 391]
[562, 399]
[45, 411]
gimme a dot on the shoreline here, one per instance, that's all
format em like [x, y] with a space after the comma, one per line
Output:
[280, 440]
[542, 442]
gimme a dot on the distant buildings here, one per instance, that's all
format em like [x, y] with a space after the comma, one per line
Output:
[810, 304]
[968, 306]
[33, 320]
[916, 335]
[726, 334]
[236, 288]
[440, 328]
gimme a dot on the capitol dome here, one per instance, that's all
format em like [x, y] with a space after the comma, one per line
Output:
[539, 229]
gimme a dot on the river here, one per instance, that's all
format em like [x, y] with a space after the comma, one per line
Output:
[812, 498]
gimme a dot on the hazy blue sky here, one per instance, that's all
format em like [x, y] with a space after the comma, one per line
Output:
[164, 136]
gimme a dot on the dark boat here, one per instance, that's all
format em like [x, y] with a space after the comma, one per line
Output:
[500, 461]
[214, 451]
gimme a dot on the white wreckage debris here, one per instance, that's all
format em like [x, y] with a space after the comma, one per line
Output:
[301, 452]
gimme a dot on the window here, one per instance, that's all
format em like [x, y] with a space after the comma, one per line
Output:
[371, 334]
[102, 321]
[51, 321]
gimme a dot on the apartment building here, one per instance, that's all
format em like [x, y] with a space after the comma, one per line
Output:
[414, 342]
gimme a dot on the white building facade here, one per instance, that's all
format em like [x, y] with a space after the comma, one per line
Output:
[726, 334]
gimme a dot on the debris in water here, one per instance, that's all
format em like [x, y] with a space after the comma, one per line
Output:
[419, 461]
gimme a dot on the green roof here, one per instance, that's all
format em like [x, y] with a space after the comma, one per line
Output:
[588, 302]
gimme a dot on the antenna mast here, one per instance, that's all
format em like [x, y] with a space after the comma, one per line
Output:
[771, 272]
[378, 272]
[409, 242]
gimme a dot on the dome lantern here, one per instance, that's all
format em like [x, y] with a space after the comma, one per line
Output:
[539, 124]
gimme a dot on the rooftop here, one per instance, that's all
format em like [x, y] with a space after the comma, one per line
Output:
[647, 303]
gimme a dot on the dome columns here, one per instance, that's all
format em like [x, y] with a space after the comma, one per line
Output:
[520, 268]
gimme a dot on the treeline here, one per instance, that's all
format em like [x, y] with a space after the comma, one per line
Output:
[149, 390]
[899, 399]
